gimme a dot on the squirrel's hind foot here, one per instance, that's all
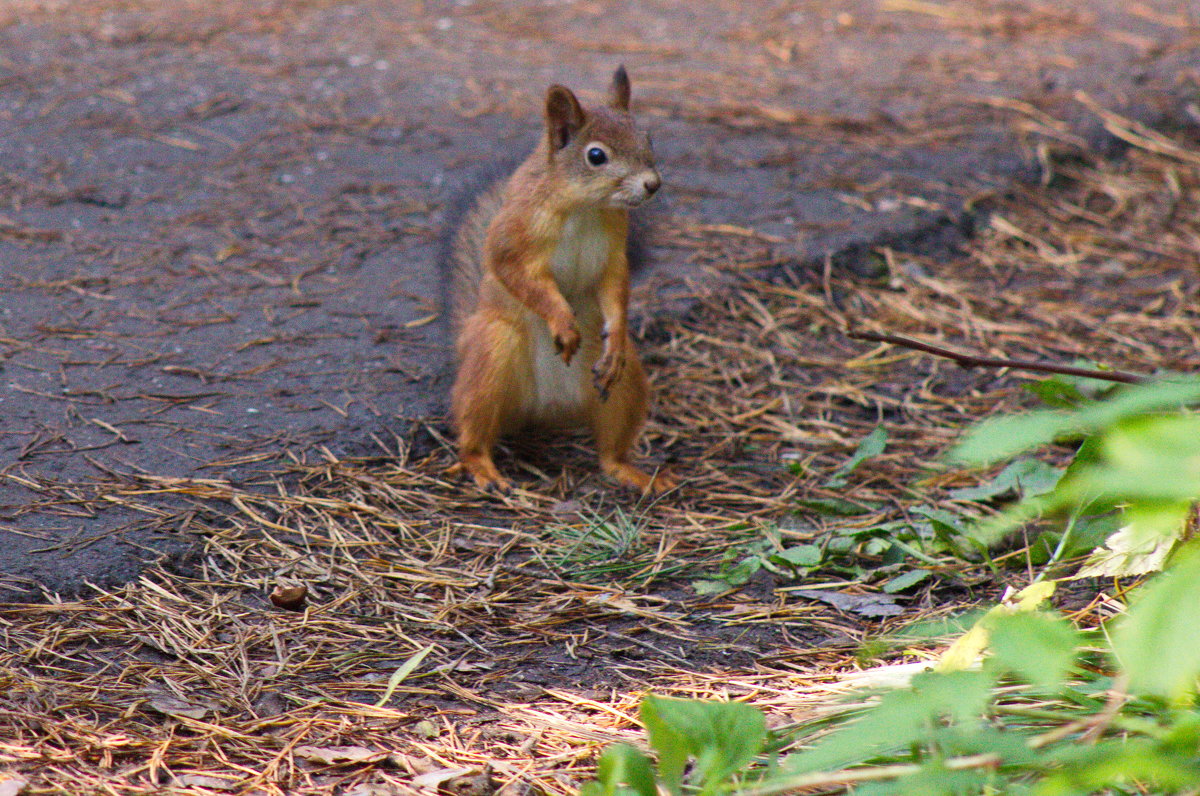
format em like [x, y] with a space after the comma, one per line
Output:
[634, 478]
[483, 471]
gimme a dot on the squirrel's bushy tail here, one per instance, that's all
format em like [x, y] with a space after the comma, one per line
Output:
[466, 254]
[461, 255]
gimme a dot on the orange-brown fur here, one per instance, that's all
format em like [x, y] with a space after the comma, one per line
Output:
[541, 293]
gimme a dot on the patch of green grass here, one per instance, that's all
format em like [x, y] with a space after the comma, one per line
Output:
[600, 546]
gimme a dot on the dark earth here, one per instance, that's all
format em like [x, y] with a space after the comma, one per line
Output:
[219, 223]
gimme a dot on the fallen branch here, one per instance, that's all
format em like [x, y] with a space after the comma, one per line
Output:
[974, 361]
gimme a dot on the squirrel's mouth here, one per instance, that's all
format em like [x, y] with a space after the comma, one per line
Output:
[636, 190]
[628, 202]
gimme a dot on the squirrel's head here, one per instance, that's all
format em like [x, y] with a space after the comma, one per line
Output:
[599, 152]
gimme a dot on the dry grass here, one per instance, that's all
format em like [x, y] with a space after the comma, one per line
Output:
[538, 653]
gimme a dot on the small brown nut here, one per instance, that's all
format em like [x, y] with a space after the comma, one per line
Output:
[290, 598]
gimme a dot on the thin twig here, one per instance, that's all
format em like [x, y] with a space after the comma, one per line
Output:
[827, 779]
[975, 361]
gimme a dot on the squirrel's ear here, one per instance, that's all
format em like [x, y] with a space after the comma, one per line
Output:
[564, 116]
[619, 91]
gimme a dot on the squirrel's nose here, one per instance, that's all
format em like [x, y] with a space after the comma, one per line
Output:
[652, 184]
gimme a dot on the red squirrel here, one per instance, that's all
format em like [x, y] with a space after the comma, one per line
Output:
[541, 292]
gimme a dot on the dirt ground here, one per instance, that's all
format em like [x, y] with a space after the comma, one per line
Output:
[222, 370]
[219, 220]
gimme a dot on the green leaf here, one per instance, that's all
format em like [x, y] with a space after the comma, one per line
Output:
[1157, 643]
[1146, 458]
[902, 718]
[1149, 464]
[745, 569]
[836, 507]
[1085, 535]
[803, 556]
[948, 528]
[1128, 552]
[731, 578]
[1004, 437]
[871, 445]
[952, 625]
[1071, 391]
[398, 676]
[1024, 477]
[906, 581]
[622, 765]
[1084, 769]
[671, 744]
[1037, 647]
[722, 737]
[1166, 394]
[944, 522]
[1057, 392]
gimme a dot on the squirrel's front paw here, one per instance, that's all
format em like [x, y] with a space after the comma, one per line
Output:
[566, 342]
[607, 370]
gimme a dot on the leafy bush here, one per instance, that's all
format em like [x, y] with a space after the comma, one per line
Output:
[1050, 711]
[1138, 457]
[1024, 702]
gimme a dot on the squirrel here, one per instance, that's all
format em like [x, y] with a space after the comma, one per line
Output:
[540, 289]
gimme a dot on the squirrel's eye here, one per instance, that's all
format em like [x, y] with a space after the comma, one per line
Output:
[597, 156]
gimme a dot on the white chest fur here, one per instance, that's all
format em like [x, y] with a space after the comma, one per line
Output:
[582, 253]
[561, 391]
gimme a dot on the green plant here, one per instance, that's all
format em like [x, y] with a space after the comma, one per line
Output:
[869, 447]
[1032, 719]
[719, 739]
[1023, 702]
[923, 536]
[1136, 468]
[599, 546]
[767, 552]
[1051, 711]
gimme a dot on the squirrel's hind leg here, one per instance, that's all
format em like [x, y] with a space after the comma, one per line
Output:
[487, 393]
[618, 423]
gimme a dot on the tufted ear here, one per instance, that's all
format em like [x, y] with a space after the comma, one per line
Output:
[564, 116]
[619, 90]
